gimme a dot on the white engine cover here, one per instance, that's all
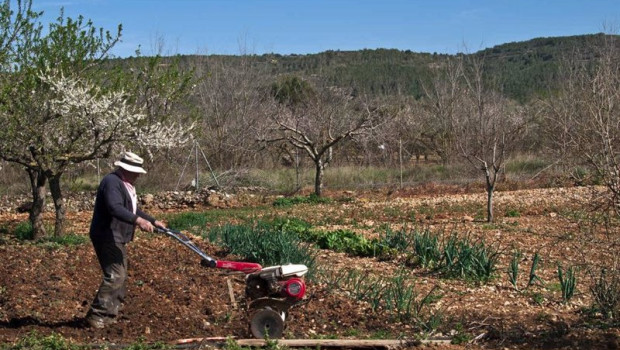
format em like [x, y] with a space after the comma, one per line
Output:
[289, 270]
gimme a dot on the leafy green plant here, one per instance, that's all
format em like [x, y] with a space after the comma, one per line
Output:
[345, 241]
[291, 225]
[568, 282]
[23, 231]
[533, 276]
[513, 269]
[264, 243]
[426, 250]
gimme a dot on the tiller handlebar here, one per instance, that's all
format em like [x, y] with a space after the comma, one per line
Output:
[245, 267]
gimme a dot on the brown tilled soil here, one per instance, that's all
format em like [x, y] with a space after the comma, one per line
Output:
[48, 289]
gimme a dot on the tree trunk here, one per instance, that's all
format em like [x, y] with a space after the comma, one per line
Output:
[37, 184]
[490, 192]
[59, 205]
[318, 179]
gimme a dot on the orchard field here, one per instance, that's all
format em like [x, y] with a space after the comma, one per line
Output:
[399, 264]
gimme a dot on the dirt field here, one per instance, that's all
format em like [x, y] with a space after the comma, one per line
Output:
[172, 297]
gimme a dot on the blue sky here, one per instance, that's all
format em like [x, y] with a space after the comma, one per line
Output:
[311, 26]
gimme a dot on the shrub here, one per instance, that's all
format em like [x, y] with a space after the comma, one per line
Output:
[606, 293]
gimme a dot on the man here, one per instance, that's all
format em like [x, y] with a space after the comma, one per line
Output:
[115, 216]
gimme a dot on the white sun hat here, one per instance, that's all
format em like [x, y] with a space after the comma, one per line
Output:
[131, 162]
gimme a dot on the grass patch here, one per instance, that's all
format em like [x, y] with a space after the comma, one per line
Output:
[67, 240]
[192, 221]
[290, 201]
[36, 341]
[527, 165]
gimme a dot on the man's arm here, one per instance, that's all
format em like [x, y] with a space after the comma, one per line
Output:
[113, 199]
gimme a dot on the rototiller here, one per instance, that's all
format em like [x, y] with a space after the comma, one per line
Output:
[270, 292]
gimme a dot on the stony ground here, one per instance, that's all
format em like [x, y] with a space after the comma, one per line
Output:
[48, 289]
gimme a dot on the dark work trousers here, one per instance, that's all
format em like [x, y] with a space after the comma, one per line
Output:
[113, 261]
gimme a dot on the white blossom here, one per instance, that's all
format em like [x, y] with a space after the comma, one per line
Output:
[83, 117]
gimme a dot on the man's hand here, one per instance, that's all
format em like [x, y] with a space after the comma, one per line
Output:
[145, 225]
[159, 224]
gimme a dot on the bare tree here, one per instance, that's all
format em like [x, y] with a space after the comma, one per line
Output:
[584, 118]
[315, 121]
[487, 128]
[443, 94]
[230, 101]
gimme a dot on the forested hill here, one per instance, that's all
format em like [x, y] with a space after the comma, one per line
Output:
[521, 70]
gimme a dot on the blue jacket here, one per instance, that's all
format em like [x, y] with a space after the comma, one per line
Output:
[113, 218]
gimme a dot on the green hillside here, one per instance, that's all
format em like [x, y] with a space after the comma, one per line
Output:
[520, 70]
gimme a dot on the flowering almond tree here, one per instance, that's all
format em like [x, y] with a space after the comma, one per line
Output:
[76, 122]
[61, 103]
